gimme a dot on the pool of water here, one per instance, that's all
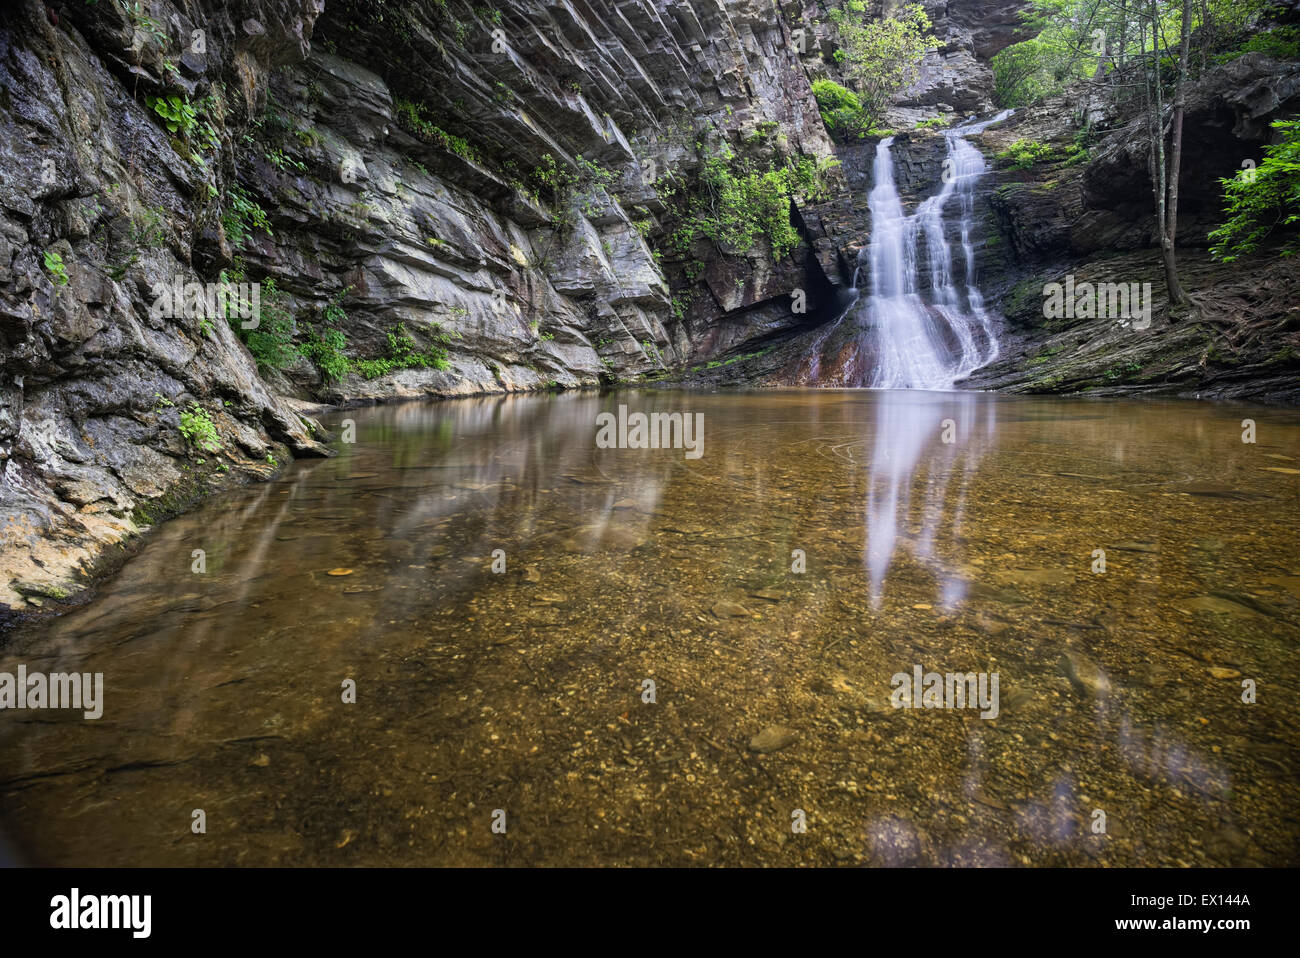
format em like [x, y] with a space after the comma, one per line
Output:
[771, 590]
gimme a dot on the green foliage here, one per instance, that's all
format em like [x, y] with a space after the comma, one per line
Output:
[271, 341]
[178, 115]
[1263, 200]
[1023, 154]
[880, 56]
[198, 429]
[585, 186]
[1026, 73]
[404, 353]
[144, 24]
[242, 217]
[411, 116]
[1071, 39]
[325, 348]
[1280, 43]
[149, 227]
[763, 131]
[934, 123]
[841, 110]
[282, 161]
[54, 263]
[737, 203]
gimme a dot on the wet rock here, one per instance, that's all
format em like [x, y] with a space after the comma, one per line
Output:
[772, 739]
[1229, 603]
[1035, 577]
[730, 610]
[990, 625]
[992, 593]
[1014, 699]
[1220, 672]
[1147, 547]
[1084, 674]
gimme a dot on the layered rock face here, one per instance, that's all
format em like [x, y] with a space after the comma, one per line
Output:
[396, 150]
[410, 180]
[98, 203]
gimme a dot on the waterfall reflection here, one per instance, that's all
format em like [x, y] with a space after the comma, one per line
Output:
[912, 434]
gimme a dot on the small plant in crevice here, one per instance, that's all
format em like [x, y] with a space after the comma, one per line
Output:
[54, 264]
[243, 217]
[178, 114]
[198, 429]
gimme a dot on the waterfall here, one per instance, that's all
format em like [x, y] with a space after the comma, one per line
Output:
[929, 341]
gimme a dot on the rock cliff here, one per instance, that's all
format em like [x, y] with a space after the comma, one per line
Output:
[439, 198]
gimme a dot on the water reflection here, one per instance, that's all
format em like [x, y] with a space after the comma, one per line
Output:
[522, 689]
[944, 434]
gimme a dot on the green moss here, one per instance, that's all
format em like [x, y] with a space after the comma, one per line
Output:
[1117, 372]
[1044, 356]
[41, 590]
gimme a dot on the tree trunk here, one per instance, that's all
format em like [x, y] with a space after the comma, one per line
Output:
[1177, 296]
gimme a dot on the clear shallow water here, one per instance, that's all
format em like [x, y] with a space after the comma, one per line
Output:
[521, 691]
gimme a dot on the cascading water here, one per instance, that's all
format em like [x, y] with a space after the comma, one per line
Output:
[915, 342]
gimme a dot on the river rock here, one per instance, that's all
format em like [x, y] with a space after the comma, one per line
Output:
[772, 739]
[730, 610]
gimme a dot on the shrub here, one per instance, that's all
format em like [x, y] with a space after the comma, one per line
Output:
[326, 347]
[1261, 200]
[737, 203]
[840, 108]
[880, 55]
